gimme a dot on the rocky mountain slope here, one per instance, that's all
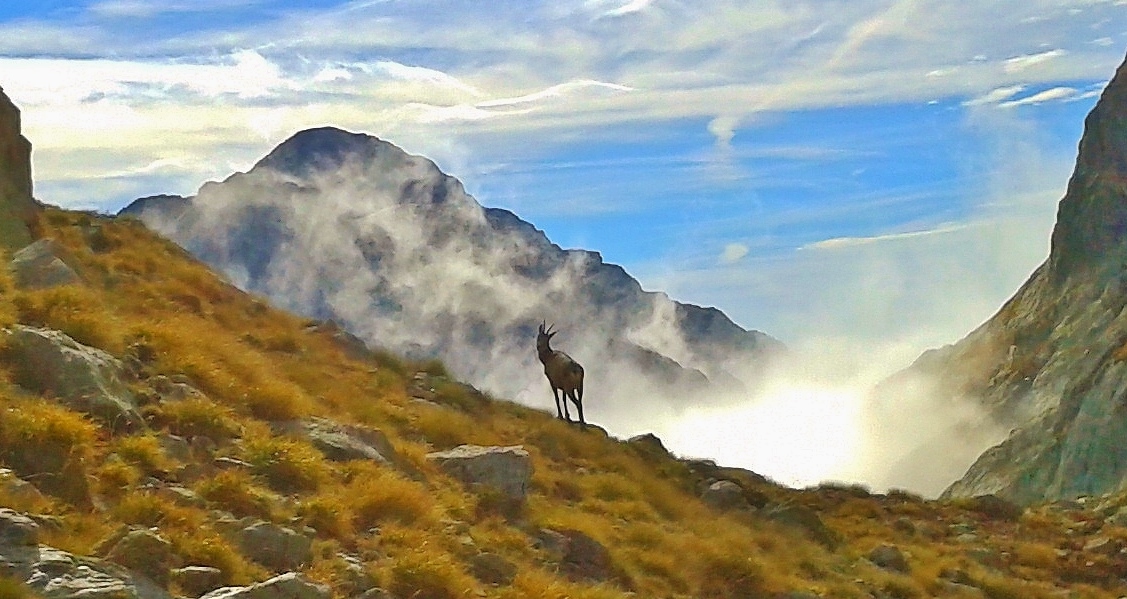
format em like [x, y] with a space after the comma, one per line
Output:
[165, 434]
[348, 227]
[1052, 364]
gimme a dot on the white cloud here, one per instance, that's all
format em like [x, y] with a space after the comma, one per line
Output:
[686, 60]
[996, 96]
[555, 91]
[1021, 63]
[733, 252]
[630, 7]
[723, 128]
[845, 242]
[1048, 95]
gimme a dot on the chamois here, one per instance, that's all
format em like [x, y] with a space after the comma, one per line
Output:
[564, 374]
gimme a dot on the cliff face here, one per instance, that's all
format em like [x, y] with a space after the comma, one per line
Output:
[349, 227]
[17, 207]
[1051, 365]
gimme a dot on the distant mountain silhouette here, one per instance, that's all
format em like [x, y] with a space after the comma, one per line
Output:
[346, 226]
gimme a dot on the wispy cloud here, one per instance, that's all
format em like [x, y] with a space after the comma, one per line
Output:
[1021, 63]
[426, 77]
[845, 242]
[150, 8]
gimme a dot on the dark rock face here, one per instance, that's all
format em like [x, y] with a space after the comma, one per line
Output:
[346, 227]
[1051, 365]
[17, 208]
[1092, 221]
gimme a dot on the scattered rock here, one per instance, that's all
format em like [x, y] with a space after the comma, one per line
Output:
[146, 552]
[275, 546]
[904, 525]
[1119, 518]
[56, 574]
[376, 593]
[18, 488]
[506, 469]
[290, 585]
[1103, 546]
[580, 557]
[175, 447]
[197, 580]
[649, 444]
[889, 557]
[985, 556]
[17, 530]
[83, 378]
[340, 443]
[491, 568]
[229, 463]
[995, 507]
[725, 495]
[174, 389]
[39, 266]
[805, 519]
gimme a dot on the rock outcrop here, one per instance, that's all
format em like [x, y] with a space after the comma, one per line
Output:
[350, 228]
[17, 207]
[1051, 365]
[285, 586]
[83, 378]
[57, 574]
[504, 469]
[39, 265]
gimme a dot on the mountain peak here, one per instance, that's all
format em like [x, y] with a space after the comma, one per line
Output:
[1092, 218]
[323, 149]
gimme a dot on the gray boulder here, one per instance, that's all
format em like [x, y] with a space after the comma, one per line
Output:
[725, 495]
[17, 530]
[80, 377]
[889, 557]
[39, 266]
[197, 580]
[505, 469]
[580, 557]
[275, 546]
[805, 519]
[18, 488]
[341, 443]
[286, 586]
[491, 568]
[144, 551]
[56, 574]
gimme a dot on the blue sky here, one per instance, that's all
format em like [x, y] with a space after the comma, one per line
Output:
[861, 172]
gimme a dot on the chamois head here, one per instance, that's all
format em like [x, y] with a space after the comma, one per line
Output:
[543, 337]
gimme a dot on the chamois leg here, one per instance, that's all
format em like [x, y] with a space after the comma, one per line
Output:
[579, 404]
[578, 400]
[567, 416]
[556, 394]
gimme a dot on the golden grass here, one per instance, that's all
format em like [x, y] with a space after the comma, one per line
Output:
[258, 366]
[289, 465]
[239, 493]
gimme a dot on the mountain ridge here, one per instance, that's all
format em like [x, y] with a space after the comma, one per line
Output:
[346, 181]
[1049, 365]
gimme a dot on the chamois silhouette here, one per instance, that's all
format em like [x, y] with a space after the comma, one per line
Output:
[564, 374]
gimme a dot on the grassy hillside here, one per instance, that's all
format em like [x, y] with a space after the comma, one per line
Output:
[415, 533]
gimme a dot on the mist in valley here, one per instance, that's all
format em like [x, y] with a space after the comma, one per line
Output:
[444, 280]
